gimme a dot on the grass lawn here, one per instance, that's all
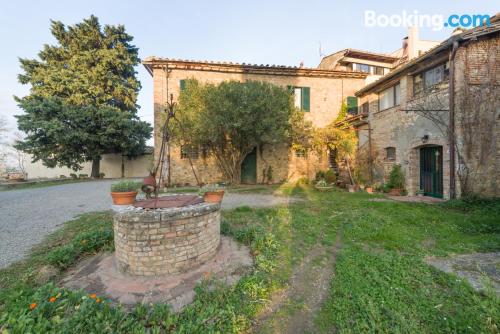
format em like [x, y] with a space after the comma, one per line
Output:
[39, 184]
[377, 280]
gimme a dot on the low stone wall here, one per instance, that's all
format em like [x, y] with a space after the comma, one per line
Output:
[165, 241]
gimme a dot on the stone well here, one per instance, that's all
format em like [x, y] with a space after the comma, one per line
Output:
[151, 242]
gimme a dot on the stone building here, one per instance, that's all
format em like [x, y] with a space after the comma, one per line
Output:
[399, 102]
[318, 93]
[438, 116]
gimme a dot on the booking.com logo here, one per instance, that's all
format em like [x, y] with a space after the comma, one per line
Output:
[435, 22]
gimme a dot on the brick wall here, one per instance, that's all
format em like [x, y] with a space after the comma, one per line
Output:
[157, 242]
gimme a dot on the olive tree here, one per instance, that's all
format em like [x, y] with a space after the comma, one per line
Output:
[232, 118]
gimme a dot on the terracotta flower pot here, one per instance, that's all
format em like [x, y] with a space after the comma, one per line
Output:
[369, 190]
[395, 192]
[213, 196]
[123, 198]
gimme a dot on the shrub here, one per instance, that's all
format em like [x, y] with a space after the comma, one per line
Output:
[83, 243]
[83, 176]
[73, 176]
[269, 174]
[396, 178]
[303, 181]
[62, 176]
[330, 176]
[320, 175]
[125, 186]
[321, 183]
[101, 175]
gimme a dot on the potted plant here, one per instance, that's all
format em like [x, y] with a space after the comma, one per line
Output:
[420, 193]
[369, 189]
[323, 186]
[212, 193]
[396, 181]
[124, 192]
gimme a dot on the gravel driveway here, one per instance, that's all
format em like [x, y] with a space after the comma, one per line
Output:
[28, 215]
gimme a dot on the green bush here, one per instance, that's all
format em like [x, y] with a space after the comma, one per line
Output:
[73, 176]
[396, 178]
[320, 175]
[102, 175]
[83, 176]
[83, 243]
[330, 177]
[303, 181]
[125, 186]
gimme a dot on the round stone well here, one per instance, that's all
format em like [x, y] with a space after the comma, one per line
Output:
[168, 235]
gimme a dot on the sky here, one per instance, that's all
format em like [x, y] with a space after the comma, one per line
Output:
[258, 31]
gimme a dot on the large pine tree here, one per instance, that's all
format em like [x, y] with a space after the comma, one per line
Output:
[82, 102]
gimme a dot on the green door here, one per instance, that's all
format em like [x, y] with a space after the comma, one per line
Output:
[431, 171]
[249, 168]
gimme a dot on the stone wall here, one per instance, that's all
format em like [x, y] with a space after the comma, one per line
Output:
[477, 121]
[477, 116]
[404, 129]
[166, 241]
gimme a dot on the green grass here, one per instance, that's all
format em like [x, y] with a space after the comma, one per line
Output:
[381, 283]
[39, 184]
[56, 246]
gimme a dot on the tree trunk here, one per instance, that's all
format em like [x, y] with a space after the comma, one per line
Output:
[96, 163]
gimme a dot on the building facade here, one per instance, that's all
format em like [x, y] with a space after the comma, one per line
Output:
[438, 117]
[401, 104]
[318, 93]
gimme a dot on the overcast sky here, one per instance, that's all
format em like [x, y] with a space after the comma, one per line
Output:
[262, 32]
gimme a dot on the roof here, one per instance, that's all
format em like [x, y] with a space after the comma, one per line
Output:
[229, 67]
[381, 57]
[470, 34]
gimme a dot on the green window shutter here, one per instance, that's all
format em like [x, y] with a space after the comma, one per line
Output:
[352, 104]
[182, 83]
[306, 99]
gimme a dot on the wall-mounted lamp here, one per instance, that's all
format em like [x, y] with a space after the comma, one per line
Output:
[425, 139]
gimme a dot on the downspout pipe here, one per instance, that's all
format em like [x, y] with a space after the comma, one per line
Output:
[451, 126]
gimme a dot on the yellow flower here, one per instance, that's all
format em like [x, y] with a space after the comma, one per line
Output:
[32, 306]
[52, 299]
[98, 300]
[84, 241]
[93, 296]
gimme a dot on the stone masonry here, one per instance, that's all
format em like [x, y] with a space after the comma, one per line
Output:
[328, 90]
[166, 241]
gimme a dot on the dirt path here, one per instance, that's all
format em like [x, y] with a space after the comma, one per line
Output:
[293, 310]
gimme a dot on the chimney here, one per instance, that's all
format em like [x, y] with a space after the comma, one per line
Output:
[413, 42]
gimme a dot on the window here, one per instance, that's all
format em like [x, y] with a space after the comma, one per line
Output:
[390, 153]
[365, 108]
[377, 70]
[352, 105]
[301, 97]
[189, 152]
[389, 97]
[430, 78]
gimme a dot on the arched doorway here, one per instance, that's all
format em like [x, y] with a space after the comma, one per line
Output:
[249, 168]
[431, 171]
